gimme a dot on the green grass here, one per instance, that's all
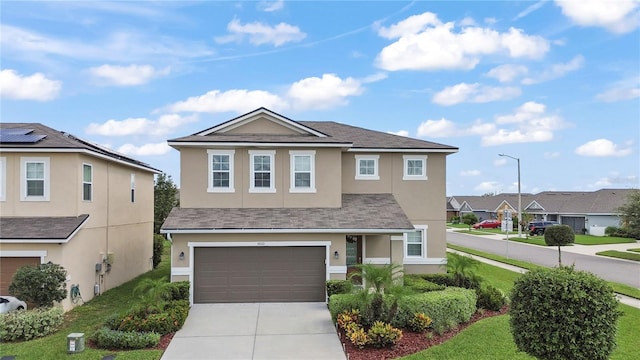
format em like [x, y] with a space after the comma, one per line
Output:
[620, 255]
[536, 240]
[88, 318]
[471, 232]
[458, 226]
[601, 240]
[617, 287]
[634, 250]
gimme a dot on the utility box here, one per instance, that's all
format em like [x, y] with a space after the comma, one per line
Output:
[75, 343]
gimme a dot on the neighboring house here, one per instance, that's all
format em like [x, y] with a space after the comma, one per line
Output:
[68, 201]
[585, 211]
[271, 208]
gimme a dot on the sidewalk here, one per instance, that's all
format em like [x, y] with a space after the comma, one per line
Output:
[622, 298]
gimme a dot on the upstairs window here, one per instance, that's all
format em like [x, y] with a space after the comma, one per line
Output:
[367, 167]
[3, 179]
[221, 171]
[262, 171]
[35, 179]
[415, 167]
[87, 182]
[133, 188]
[302, 171]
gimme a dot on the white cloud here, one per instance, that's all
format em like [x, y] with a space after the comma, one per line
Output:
[622, 90]
[447, 128]
[475, 93]
[425, 43]
[530, 9]
[500, 162]
[235, 100]
[259, 33]
[507, 72]
[160, 148]
[487, 186]
[165, 124]
[619, 16]
[404, 133]
[321, 93]
[270, 6]
[467, 21]
[374, 77]
[470, 173]
[32, 87]
[551, 155]
[602, 148]
[556, 71]
[127, 75]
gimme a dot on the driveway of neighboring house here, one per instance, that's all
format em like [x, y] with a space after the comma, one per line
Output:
[256, 331]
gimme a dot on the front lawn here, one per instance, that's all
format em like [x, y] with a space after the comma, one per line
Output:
[87, 319]
[601, 240]
[620, 255]
[634, 250]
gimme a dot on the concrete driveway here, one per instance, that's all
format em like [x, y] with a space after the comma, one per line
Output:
[256, 331]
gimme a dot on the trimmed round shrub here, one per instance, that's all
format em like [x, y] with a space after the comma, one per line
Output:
[490, 298]
[562, 313]
[339, 287]
[42, 284]
[559, 235]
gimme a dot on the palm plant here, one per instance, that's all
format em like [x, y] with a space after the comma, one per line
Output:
[152, 292]
[463, 269]
[378, 277]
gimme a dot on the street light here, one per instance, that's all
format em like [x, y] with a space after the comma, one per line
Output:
[519, 195]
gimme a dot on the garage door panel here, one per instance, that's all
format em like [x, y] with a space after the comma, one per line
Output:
[259, 274]
[9, 266]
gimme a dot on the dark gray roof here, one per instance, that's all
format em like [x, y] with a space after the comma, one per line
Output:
[55, 139]
[32, 228]
[359, 211]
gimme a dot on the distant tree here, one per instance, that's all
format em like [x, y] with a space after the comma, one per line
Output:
[559, 235]
[488, 194]
[526, 218]
[42, 284]
[630, 213]
[164, 194]
[469, 219]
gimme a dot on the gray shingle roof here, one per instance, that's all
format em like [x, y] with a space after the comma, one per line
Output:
[33, 228]
[380, 212]
[61, 140]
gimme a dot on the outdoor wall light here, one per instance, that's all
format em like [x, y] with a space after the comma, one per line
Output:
[336, 254]
[181, 256]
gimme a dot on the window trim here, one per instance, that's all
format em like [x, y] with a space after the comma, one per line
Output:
[213, 189]
[376, 162]
[312, 171]
[23, 178]
[405, 161]
[272, 162]
[3, 178]
[423, 244]
[85, 182]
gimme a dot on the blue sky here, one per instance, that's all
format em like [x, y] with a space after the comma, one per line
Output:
[556, 84]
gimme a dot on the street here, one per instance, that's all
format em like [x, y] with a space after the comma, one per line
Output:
[621, 271]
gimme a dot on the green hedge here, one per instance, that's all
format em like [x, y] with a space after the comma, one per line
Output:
[140, 319]
[178, 290]
[447, 308]
[339, 287]
[30, 324]
[124, 340]
[419, 284]
[440, 279]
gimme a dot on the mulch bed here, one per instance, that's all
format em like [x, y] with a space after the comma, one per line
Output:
[411, 342]
[164, 341]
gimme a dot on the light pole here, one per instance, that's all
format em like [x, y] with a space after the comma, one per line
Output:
[519, 195]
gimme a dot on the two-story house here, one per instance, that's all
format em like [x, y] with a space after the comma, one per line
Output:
[68, 201]
[271, 208]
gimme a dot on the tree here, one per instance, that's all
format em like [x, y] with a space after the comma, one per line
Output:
[164, 195]
[526, 218]
[561, 313]
[630, 213]
[42, 284]
[559, 235]
[469, 219]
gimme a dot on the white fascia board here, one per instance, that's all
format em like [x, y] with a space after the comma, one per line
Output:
[283, 231]
[401, 150]
[210, 144]
[81, 151]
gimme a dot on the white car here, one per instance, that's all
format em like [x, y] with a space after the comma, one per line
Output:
[10, 303]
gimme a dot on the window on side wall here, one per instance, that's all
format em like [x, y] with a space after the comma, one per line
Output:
[3, 179]
[87, 182]
[34, 179]
[262, 168]
[221, 166]
[367, 167]
[415, 167]
[133, 188]
[415, 242]
[302, 171]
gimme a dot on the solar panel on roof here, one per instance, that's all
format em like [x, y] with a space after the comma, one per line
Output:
[19, 136]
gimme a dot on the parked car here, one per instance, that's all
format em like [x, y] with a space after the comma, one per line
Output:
[537, 227]
[487, 224]
[10, 303]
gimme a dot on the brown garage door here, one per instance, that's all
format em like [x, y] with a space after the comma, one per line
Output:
[8, 267]
[259, 274]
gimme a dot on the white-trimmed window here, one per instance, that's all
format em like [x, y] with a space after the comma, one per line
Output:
[221, 170]
[262, 169]
[133, 188]
[415, 167]
[87, 182]
[34, 174]
[303, 171]
[367, 167]
[3, 178]
[415, 242]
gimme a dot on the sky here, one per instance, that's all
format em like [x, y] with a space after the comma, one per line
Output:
[555, 84]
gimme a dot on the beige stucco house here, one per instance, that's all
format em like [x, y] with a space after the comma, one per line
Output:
[71, 202]
[271, 208]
